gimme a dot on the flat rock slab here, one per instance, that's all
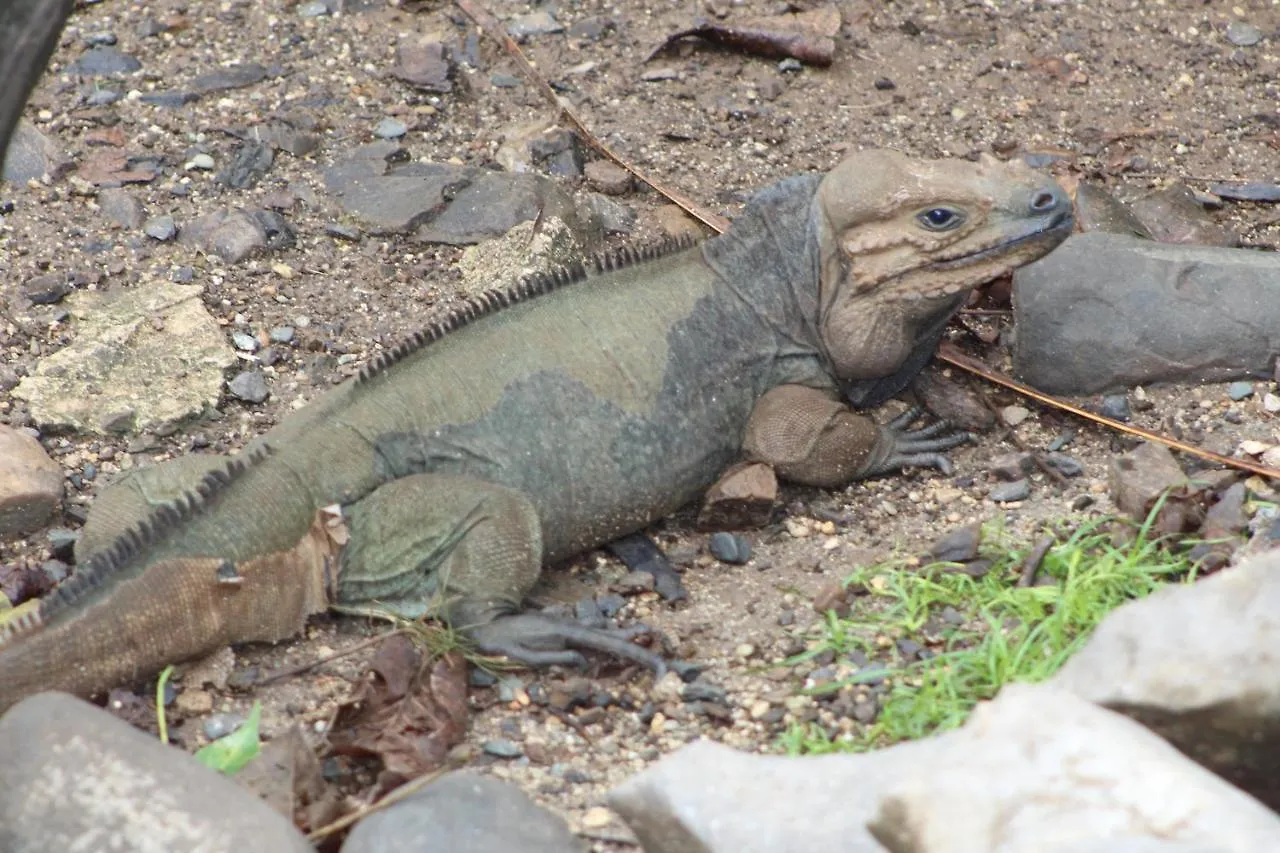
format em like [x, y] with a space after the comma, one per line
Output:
[1040, 769]
[144, 358]
[1108, 311]
[1198, 665]
[708, 798]
[76, 778]
[440, 202]
[30, 483]
[463, 813]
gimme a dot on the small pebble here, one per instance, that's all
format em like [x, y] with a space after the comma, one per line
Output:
[200, 161]
[729, 548]
[1241, 390]
[249, 386]
[160, 228]
[502, 748]
[313, 9]
[281, 335]
[1116, 407]
[1271, 403]
[1067, 466]
[244, 342]
[1018, 490]
[789, 64]
[1243, 34]
[390, 128]
[1014, 415]
[221, 725]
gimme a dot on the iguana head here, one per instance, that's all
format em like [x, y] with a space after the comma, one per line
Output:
[904, 240]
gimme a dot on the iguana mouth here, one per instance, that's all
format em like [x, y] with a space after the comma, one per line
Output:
[1059, 226]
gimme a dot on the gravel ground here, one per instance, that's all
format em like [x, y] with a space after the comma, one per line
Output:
[1129, 94]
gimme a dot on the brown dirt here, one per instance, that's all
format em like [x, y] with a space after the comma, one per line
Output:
[1132, 94]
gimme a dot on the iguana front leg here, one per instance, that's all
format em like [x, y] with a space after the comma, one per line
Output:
[810, 437]
[468, 551]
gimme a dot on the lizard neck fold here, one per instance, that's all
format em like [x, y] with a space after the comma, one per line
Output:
[771, 261]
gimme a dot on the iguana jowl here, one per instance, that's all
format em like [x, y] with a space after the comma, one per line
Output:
[536, 422]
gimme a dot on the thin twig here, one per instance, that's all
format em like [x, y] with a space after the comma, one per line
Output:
[493, 28]
[303, 667]
[1031, 564]
[954, 357]
[364, 811]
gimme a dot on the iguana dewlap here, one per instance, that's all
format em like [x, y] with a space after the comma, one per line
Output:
[538, 421]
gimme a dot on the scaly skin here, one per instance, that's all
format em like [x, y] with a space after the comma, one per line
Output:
[445, 477]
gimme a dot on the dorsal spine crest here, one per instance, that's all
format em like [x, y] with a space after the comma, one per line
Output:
[103, 566]
[528, 287]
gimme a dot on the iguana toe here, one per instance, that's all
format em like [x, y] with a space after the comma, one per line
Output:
[539, 641]
[921, 448]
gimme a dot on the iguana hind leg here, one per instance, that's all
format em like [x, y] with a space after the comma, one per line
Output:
[468, 551]
[810, 437]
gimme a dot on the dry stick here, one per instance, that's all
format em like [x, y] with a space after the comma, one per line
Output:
[1031, 565]
[364, 811]
[965, 363]
[303, 667]
[493, 28]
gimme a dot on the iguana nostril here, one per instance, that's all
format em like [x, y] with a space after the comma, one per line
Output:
[1044, 201]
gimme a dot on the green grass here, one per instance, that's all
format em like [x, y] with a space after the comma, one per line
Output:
[1009, 633]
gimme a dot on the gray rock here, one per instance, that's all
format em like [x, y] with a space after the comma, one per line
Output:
[281, 335]
[103, 61]
[1116, 407]
[1196, 664]
[536, 23]
[424, 65]
[248, 164]
[615, 217]
[1105, 311]
[245, 341]
[120, 206]
[249, 386]
[390, 128]
[30, 483]
[47, 289]
[231, 77]
[285, 137]
[729, 548]
[1243, 33]
[1018, 490]
[1099, 210]
[1241, 390]
[1173, 215]
[151, 351]
[708, 798]
[957, 546]
[502, 748]
[1067, 466]
[76, 778]
[463, 813]
[233, 235]
[443, 203]
[1140, 477]
[1039, 769]
[32, 155]
[170, 99]
[161, 228]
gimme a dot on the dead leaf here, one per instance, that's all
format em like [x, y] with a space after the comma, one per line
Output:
[286, 774]
[110, 167]
[806, 36]
[409, 714]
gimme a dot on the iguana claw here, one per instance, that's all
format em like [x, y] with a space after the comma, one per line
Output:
[536, 640]
[919, 447]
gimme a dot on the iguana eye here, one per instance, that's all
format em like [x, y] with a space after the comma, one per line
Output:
[940, 218]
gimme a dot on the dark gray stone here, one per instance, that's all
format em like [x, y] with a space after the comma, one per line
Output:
[248, 164]
[729, 548]
[160, 228]
[231, 77]
[76, 778]
[47, 289]
[1018, 490]
[502, 748]
[463, 813]
[1067, 466]
[425, 66]
[615, 217]
[120, 206]
[169, 99]
[1104, 311]
[102, 61]
[1116, 407]
[235, 234]
[249, 386]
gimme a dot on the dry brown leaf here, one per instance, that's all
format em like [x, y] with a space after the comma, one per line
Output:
[409, 714]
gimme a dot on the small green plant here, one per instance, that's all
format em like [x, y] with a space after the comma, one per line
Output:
[226, 754]
[1004, 633]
